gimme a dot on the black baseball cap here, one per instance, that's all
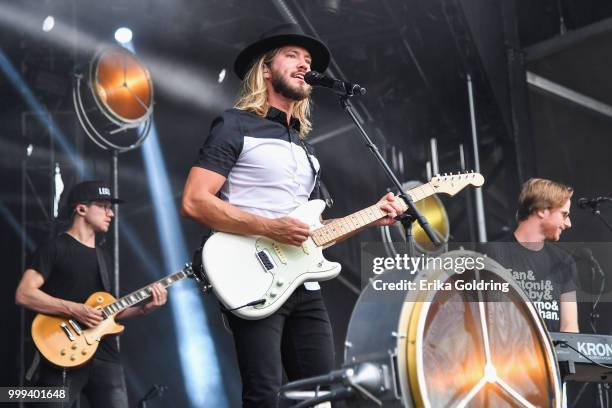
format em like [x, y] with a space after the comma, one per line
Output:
[89, 191]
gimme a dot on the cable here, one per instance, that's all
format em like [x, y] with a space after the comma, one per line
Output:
[318, 381]
[566, 344]
[332, 396]
[253, 303]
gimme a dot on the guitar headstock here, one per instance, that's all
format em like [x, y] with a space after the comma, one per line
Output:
[196, 272]
[451, 183]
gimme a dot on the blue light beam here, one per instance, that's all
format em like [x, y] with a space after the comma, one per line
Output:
[196, 348]
[42, 115]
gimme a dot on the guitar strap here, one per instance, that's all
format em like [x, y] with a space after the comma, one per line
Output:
[103, 269]
[320, 189]
[105, 280]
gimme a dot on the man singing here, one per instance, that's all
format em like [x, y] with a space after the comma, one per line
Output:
[254, 169]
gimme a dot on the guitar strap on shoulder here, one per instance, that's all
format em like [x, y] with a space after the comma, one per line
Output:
[105, 280]
[103, 269]
[320, 188]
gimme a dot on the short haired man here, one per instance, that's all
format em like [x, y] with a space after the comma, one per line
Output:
[59, 278]
[545, 272]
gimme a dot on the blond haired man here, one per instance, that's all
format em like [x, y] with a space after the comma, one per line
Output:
[545, 272]
[256, 160]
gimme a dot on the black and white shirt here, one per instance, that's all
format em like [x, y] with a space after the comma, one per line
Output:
[266, 167]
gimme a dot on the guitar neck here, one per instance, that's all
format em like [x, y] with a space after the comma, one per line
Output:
[142, 294]
[341, 227]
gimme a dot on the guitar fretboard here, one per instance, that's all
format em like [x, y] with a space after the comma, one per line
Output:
[338, 228]
[142, 294]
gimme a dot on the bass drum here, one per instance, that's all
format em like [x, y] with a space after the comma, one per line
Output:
[451, 345]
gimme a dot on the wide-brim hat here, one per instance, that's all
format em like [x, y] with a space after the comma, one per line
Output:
[279, 36]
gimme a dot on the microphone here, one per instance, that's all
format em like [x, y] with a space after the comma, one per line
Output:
[591, 202]
[315, 78]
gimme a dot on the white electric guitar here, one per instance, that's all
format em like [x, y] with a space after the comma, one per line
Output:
[253, 276]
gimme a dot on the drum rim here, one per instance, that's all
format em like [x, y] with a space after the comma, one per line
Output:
[411, 328]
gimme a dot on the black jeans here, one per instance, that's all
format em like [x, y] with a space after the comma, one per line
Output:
[103, 383]
[297, 337]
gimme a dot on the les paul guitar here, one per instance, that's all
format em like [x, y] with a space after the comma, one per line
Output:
[253, 276]
[66, 343]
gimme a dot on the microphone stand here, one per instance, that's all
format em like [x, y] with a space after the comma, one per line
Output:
[413, 213]
[593, 315]
[596, 267]
[597, 213]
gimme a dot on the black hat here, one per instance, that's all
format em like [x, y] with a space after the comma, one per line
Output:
[89, 191]
[279, 36]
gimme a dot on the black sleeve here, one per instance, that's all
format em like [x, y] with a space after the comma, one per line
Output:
[222, 146]
[43, 259]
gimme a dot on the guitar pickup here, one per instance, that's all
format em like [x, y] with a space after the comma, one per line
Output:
[75, 327]
[279, 253]
[67, 331]
[265, 259]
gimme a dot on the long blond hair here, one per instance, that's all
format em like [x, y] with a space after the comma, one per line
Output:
[253, 96]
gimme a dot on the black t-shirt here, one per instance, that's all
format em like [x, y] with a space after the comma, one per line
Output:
[70, 270]
[543, 275]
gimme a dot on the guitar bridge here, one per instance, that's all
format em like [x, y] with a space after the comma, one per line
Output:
[265, 259]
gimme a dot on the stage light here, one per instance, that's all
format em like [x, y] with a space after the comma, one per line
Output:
[123, 35]
[178, 81]
[48, 23]
[115, 97]
[221, 75]
[59, 188]
[331, 6]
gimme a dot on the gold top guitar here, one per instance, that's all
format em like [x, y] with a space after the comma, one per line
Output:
[65, 343]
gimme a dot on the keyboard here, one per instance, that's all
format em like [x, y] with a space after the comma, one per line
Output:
[572, 351]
